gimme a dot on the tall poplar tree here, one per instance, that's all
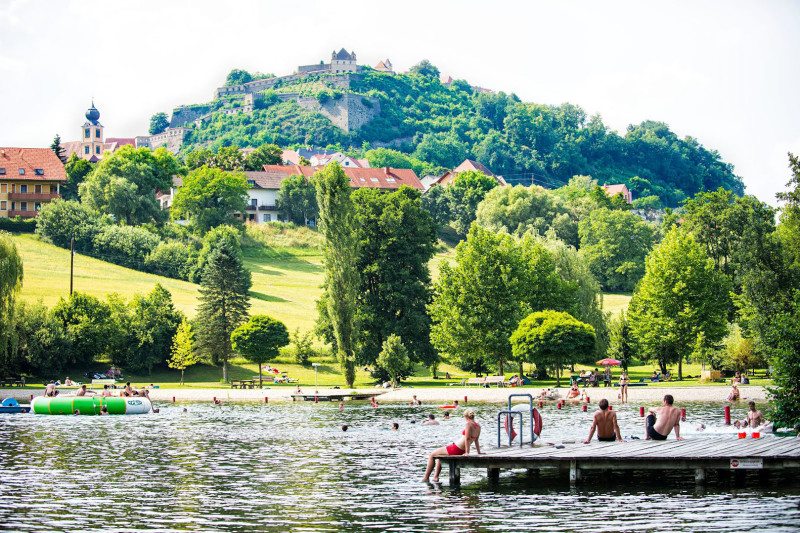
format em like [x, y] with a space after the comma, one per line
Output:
[223, 301]
[336, 222]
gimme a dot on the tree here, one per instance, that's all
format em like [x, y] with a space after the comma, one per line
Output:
[621, 343]
[297, 200]
[210, 197]
[396, 239]
[437, 203]
[266, 154]
[496, 280]
[425, 68]
[738, 352]
[393, 359]
[303, 346]
[337, 224]
[238, 76]
[552, 339]
[11, 273]
[77, 169]
[614, 244]
[680, 296]
[158, 123]
[445, 150]
[41, 345]
[520, 210]
[55, 146]
[259, 340]
[466, 192]
[124, 184]
[183, 353]
[223, 301]
[228, 158]
[198, 158]
[145, 329]
[61, 220]
[87, 326]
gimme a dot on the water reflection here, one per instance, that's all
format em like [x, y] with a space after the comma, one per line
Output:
[246, 467]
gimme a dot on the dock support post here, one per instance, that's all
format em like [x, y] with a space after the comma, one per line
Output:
[574, 472]
[699, 476]
[455, 475]
[494, 475]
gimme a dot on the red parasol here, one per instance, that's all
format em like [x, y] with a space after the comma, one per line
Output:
[609, 362]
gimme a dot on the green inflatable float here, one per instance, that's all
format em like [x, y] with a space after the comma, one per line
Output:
[90, 405]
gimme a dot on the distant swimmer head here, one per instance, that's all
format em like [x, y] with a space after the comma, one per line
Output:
[431, 417]
[395, 426]
[344, 427]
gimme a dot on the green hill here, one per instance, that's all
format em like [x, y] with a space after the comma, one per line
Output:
[442, 124]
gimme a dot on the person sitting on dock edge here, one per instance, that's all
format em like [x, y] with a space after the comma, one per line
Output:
[660, 422]
[605, 422]
[469, 436]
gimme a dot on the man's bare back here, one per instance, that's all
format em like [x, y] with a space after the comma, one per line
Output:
[605, 422]
[661, 421]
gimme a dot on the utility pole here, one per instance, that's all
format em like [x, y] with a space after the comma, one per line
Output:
[71, 262]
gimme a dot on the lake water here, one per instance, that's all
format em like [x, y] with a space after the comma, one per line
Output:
[290, 467]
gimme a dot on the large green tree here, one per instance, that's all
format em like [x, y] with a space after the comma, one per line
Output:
[87, 324]
[496, 280]
[680, 296]
[297, 200]
[552, 339]
[396, 241]
[259, 340]
[182, 352]
[11, 273]
[158, 123]
[393, 359]
[521, 209]
[210, 197]
[614, 244]
[464, 194]
[337, 224]
[223, 301]
[266, 154]
[77, 169]
[124, 184]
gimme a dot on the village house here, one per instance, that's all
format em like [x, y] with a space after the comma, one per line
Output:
[619, 188]
[320, 158]
[448, 177]
[29, 178]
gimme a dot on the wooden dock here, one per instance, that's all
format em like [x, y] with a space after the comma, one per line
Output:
[694, 455]
[335, 396]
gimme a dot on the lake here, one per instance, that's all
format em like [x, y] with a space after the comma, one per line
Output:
[245, 467]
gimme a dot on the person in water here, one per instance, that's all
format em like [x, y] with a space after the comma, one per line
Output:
[605, 422]
[50, 390]
[106, 392]
[104, 410]
[734, 394]
[573, 393]
[447, 415]
[373, 402]
[344, 427]
[395, 426]
[431, 421]
[660, 422]
[469, 436]
[753, 419]
[414, 401]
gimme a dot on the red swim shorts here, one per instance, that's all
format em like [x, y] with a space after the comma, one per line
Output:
[452, 449]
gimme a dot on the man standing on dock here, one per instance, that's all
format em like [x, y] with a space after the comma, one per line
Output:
[605, 422]
[660, 422]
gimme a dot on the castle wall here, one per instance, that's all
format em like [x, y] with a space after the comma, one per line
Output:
[171, 139]
[348, 112]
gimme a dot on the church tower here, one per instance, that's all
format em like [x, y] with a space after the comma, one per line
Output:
[92, 136]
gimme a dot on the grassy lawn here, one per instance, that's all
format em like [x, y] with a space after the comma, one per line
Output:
[614, 303]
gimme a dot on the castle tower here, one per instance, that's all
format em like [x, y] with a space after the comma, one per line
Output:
[343, 61]
[92, 135]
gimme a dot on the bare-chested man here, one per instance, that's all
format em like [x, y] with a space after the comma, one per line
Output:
[661, 421]
[605, 422]
[754, 417]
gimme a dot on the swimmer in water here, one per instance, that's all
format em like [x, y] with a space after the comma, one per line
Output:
[469, 436]
[431, 421]
[344, 427]
[395, 426]
[447, 415]
[414, 401]
[104, 410]
[341, 406]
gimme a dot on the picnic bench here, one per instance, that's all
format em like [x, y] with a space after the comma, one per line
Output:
[500, 381]
[246, 384]
[12, 381]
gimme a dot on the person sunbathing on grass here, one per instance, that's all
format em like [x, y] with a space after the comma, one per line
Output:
[469, 436]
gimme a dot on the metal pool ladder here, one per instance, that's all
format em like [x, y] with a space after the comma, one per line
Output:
[510, 413]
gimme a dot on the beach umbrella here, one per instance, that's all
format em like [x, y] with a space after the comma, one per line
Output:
[609, 362]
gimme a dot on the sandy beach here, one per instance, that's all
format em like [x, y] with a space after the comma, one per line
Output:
[432, 394]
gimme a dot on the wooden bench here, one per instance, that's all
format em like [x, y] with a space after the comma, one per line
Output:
[15, 381]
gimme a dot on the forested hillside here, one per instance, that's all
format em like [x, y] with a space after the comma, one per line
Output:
[439, 125]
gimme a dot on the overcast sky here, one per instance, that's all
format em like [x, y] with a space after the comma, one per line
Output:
[725, 72]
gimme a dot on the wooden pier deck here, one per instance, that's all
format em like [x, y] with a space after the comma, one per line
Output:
[694, 455]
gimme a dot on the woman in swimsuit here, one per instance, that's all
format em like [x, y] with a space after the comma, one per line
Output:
[469, 436]
[623, 386]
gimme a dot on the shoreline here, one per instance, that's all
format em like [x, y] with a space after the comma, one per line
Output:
[432, 394]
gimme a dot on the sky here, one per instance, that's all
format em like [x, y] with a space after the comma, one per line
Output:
[725, 72]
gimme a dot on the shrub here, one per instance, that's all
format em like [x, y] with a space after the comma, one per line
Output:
[18, 224]
[171, 259]
[303, 347]
[125, 245]
[60, 220]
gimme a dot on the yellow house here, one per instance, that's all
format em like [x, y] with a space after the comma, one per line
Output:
[29, 178]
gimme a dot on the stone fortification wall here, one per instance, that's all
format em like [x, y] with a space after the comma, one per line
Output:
[181, 116]
[337, 80]
[171, 139]
[348, 112]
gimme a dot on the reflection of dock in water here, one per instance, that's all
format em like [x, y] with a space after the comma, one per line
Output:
[698, 456]
[335, 396]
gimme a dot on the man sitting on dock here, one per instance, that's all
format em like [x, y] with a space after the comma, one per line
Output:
[659, 422]
[605, 422]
